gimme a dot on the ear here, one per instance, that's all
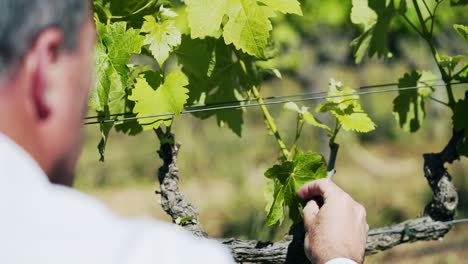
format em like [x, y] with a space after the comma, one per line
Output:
[45, 53]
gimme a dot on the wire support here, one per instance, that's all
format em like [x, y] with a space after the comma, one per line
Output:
[366, 87]
[415, 227]
[276, 102]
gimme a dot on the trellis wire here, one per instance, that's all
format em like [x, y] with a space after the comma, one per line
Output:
[411, 228]
[267, 98]
[126, 119]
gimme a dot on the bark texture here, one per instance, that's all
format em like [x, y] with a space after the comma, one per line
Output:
[290, 250]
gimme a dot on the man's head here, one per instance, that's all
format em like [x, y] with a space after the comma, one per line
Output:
[46, 49]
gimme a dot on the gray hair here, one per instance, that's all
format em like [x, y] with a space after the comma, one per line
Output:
[21, 21]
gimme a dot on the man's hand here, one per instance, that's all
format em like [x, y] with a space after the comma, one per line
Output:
[335, 229]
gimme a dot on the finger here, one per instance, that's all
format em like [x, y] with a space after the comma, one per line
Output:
[322, 188]
[310, 213]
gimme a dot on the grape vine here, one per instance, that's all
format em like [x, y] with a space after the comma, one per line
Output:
[157, 56]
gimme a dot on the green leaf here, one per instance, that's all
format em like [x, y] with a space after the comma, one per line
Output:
[284, 6]
[114, 47]
[310, 119]
[343, 103]
[115, 44]
[409, 105]
[463, 76]
[248, 27]
[214, 78]
[306, 116]
[449, 63]
[462, 30]
[359, 122]
[375, 16]
[460, 123]
[205, 21]
[342, 96]
[197, 57]
[276, 212]
[162, 37]
[105, 128]
[170, 97]
[289, 177]
[280, 172]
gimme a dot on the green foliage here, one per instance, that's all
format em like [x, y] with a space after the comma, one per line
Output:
[199, 53]
[288, 178]
[462, 31]
[299, 167]
[170, 97]
[162, 37]
[343, 104]
[409, 105]
[214, 77]
[306, 116]
[218, 58]
[248, 23]
[115, 44]
[284, 6]
[375, 16]
[458, 2]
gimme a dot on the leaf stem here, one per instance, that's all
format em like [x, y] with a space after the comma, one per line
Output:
[433, 17]
[413, 26]
[334, 147]
[438, 101]
[299, 127]
[427, 8]
[270, 122]
[427, 36]
[425, 31]
[332, 159]
[335, 131]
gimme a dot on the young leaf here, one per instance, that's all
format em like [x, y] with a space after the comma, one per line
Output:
[162, 37]
[359, 122]
[306, 116]
[462, 30]
[449, 63]
[289, 177]
[343, 103]
[170, 97]
[409, 105]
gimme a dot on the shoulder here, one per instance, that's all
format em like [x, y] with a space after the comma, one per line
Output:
[171, 244]
[142, 240]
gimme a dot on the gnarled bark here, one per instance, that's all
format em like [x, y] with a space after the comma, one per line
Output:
[430, 226]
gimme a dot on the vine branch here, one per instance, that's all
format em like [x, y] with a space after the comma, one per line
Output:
[290, 249]
[270, 122]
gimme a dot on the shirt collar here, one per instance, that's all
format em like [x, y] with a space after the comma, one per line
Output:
[18, 167]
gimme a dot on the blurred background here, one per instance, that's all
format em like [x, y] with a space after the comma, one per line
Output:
[222, 174]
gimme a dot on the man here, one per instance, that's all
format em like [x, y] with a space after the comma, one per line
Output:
[46, 49]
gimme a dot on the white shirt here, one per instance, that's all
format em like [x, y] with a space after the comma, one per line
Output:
[45, 223]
